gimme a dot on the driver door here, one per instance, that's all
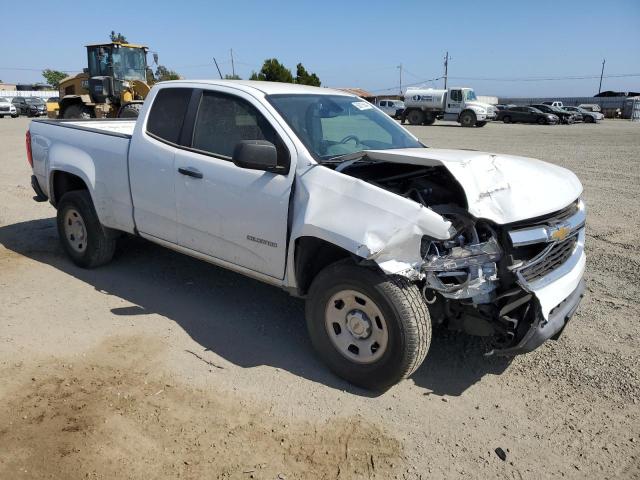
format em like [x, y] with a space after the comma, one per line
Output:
[454, 101]
[224, 211]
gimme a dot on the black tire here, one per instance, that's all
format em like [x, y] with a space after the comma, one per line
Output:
[100, 242]
[415, 117]
[506, 119]
[15, 115]
[589, 119]
[130, 110]
[468, 119]
[541, 121]
[429, 118]
[481, 124]
[1, 116]
[78, 111]
[405, 316]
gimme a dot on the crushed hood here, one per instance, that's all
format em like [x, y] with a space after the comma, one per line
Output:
[500, 188]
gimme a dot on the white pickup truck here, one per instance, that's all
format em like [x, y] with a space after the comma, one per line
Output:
[320, 193]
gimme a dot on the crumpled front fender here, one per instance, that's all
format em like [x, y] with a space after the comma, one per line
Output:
[366, 220]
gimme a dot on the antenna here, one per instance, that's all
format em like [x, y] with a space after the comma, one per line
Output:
[219, 72]
[601, 74]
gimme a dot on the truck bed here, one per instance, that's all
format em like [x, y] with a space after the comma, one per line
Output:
[115, 126]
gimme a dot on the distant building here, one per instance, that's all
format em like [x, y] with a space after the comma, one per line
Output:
[359, 92]
[610, 93]
[11, 87]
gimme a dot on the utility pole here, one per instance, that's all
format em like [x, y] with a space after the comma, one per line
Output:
[601, 74]
[400, 67]
[233, 68]
[219, 72]
[446, 68]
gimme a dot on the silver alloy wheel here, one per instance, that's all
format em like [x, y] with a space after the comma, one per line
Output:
[75, 230]
[356, 326]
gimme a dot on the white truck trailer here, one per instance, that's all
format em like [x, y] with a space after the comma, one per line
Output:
[424, 105]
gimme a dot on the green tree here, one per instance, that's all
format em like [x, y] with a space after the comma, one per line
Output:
[163, 74]
[305, 78]
[53, 77]
[232, 77]
[117, 37]
[273, 71]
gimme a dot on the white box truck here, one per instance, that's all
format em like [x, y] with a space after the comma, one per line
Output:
[424, 105]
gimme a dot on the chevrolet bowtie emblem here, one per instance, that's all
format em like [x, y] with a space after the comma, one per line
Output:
[560, 233]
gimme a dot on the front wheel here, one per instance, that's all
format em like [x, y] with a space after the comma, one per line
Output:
[371, 329]
[468, 119]
[83, 237]
[506, 119]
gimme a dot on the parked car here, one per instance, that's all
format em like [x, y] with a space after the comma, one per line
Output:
[30, 106]
[590, 107]
[565, 117]
[320, 193]
[393, 108]
[587, 117]
[7, 109]
[555, 103]
[527, 115]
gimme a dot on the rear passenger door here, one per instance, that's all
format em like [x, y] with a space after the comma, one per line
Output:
[230, 213]
[152, 164]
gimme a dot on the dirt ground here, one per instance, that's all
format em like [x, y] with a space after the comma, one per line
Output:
[161, 366]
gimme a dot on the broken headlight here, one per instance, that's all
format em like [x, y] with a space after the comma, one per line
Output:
[464, 267]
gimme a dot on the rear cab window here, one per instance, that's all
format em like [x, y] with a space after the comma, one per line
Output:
[167, 114]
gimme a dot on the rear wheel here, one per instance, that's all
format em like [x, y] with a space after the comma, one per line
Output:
[589, 119]
[415, 117]
[429, 118]
[83, 237]
[78, 111]
[506, 119]
[541, 121]
[130, 110]
[371, 329]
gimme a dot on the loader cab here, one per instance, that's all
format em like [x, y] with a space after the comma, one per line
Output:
[112, 67]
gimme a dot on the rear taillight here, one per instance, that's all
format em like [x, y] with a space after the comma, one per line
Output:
[28, 143]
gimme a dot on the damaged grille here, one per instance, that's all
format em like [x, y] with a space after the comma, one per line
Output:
[550, 259]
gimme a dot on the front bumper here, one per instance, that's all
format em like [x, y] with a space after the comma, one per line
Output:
[551, 327]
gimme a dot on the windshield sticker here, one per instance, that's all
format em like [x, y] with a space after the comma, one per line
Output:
[362, 105]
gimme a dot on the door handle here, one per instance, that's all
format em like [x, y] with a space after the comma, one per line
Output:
[190, 172]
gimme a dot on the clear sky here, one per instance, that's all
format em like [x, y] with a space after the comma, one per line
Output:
[355, 44]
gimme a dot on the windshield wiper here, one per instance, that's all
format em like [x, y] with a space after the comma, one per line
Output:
[337, 159]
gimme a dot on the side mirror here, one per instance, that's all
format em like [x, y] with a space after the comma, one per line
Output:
[256, 155]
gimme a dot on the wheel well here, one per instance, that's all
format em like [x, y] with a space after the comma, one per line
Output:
[311, 256]
[64, 182]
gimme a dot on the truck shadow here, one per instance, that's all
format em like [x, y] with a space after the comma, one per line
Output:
[242, 320]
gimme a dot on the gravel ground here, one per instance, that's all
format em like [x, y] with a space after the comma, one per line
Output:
[161, 366]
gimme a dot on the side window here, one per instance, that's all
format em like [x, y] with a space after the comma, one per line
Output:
[223, 121]
[456, 95]
[167, 113]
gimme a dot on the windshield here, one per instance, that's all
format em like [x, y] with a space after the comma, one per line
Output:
[335, 125]
[34, 101]
[470, 95]
[129, 63]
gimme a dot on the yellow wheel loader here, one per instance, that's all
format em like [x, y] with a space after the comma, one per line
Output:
[114, 84]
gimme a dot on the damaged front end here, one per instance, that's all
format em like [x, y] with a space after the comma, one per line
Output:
[489, 280]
